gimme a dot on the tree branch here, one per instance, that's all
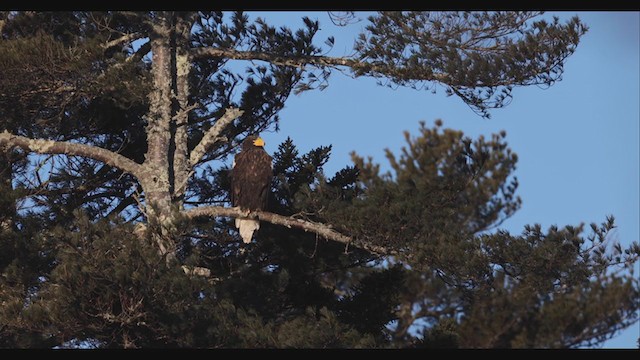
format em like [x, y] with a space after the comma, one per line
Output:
[213, 135]
[321, 229]
[140, 53]
[300, 61]
[42, 146]
[122, 39]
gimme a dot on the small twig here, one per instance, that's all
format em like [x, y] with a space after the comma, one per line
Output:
[315, 248]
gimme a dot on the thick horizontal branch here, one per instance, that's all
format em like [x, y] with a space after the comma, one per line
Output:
[302, 60]
[42, 146]
[234, 212]
[318, 228]
[213, 135]
[297, 61]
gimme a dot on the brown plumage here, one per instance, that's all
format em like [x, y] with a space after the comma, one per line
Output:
[250, 183]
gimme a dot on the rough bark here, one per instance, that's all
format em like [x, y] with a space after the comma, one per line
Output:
[155, 179]
[182, 69]
[7, 205]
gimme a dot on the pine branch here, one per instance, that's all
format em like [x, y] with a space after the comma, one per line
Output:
[42, 146]
[360, 67]
[213, 135]
[318, 228]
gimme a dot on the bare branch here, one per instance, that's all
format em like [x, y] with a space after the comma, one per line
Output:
[140, 53]
[213, 135]
[122, 39]
[321, 229]
[42, 146]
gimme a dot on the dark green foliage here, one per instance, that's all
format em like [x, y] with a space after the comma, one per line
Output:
[111, 289]
[445, 192]
[291, 290]
[61, 84]
[441, 180]
[372, 305]
[78, 269]
[443, 335]
[546, 285]
[480, 56]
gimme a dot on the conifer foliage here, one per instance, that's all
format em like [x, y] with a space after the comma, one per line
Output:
[116, 134]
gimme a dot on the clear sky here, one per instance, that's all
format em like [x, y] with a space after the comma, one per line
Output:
[577, 142]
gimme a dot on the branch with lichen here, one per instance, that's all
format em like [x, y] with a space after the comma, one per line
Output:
[123, 39]
[300, 61]
[42, 146]
[318, 228]
[212, 136]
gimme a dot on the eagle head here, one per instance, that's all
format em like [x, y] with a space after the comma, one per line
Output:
[252, 141]
[258, 142]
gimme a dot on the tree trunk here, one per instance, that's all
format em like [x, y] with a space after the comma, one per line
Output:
[182, 61]
[155, 178]
[7, 201]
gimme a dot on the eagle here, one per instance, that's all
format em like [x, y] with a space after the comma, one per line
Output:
[250, 183]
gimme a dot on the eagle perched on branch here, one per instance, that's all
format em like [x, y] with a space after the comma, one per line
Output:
[250, 183]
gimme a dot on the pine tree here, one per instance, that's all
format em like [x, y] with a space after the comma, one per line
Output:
[116, 229]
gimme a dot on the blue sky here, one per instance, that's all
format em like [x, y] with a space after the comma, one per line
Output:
[577, 142]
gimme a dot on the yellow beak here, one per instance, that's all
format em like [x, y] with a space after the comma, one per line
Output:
[258, 142]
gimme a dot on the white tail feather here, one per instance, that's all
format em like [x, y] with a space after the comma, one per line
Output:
[247, 227]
